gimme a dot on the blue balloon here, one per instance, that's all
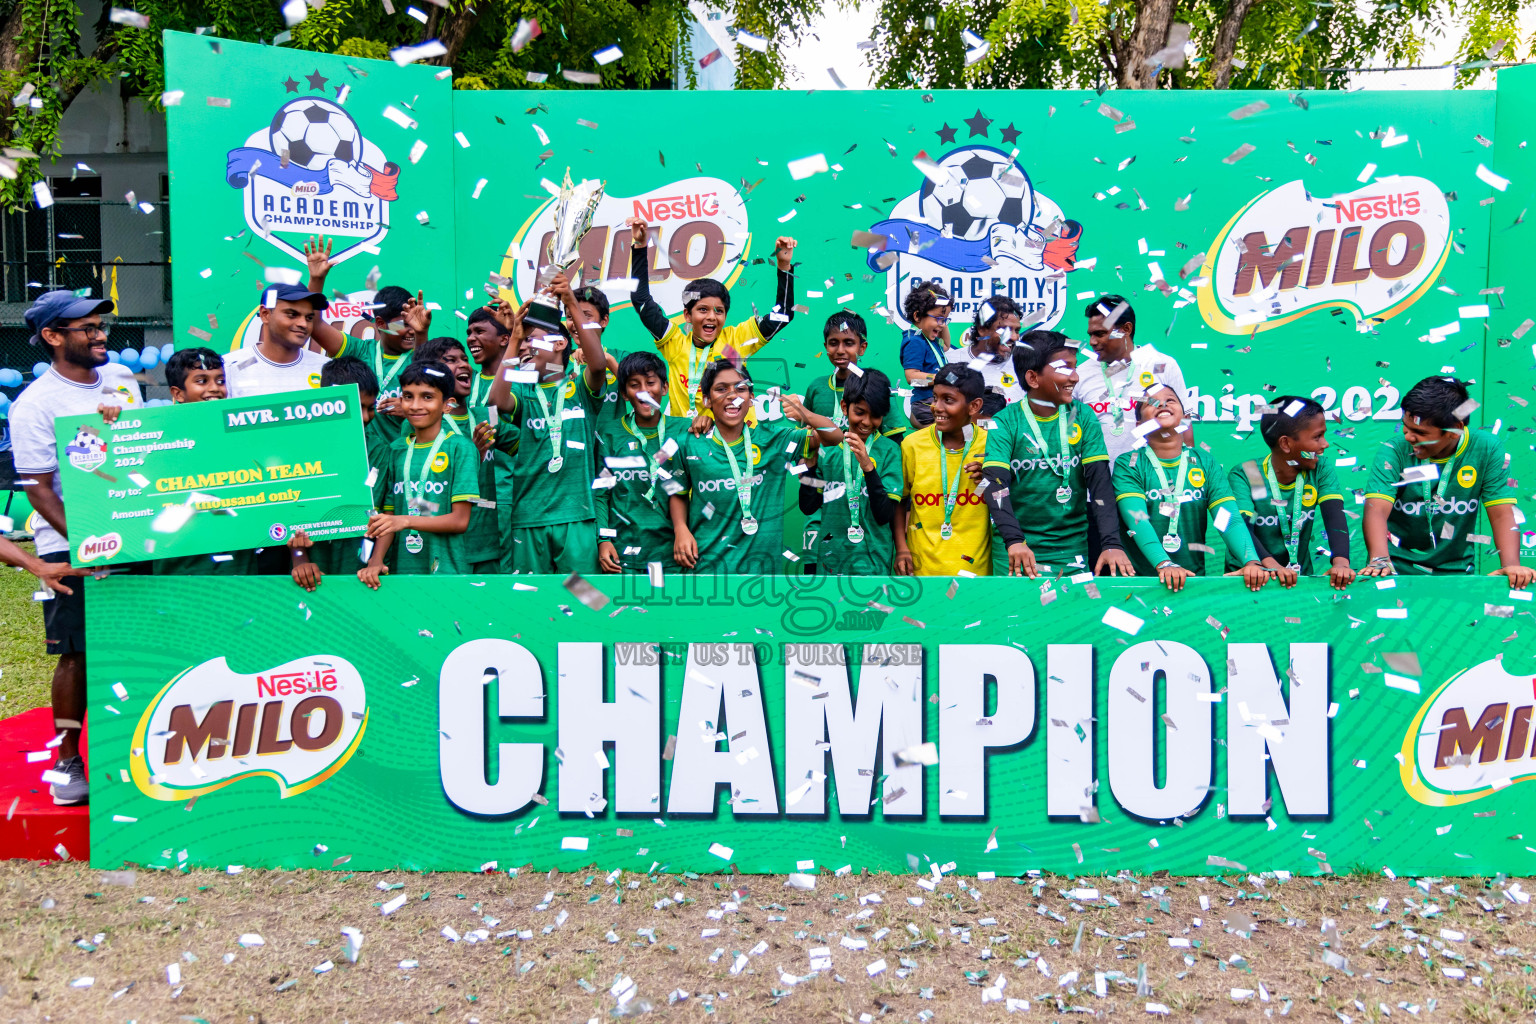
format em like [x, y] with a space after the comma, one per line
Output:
[10, 378]
[151, 356]
[130, 358]
[38, 369]
[5, 405]
[113, 357]
[167, 350]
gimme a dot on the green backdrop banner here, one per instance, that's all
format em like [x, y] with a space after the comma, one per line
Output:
[259, 468]
[793, 724]
[1330, 244]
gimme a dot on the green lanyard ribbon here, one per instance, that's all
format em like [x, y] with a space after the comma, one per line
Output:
[852, 485]
[385, 379]
[420, 485]
[555, 421]
[1171, 538]
[1063, 468]
[1114, 400]
[652, 462]
[743, 483]
[951, 488]
[1291, 530]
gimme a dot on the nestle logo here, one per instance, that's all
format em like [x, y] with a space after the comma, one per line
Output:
[1400, 204]
[700, 204]
[288, 684]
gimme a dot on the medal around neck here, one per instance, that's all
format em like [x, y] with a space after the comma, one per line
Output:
[748, 525]
[555, 463]
[1171, 542]
[575, 207]
[855, 534]
[414, 543]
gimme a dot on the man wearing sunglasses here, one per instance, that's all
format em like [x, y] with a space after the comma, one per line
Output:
[80, 379]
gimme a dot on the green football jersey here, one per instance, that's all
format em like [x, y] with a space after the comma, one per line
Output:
[837, 554]
[388, 369]
[1205, 492]
[613, 406]
[825, 398]
[714, 509]
[483, 538]
[1432, 520]
[1055, 530]
[539, 496]
[1270, 518]
[634, 507]
[453, 474]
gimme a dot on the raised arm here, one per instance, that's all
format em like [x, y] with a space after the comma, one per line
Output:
[651, 314]
[827, 432]
[594, 359]
[317, 253]
[500, 394]
[783, 310]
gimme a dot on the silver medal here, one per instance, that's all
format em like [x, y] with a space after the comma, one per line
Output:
[1171, 542]
[1063, 494]
[414, 543]
[748, 525]
[946, 531]
[555, 463]
[855, 534]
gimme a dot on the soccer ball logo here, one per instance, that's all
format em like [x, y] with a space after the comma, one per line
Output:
[86, 451]
[314, 132]
[985, 187]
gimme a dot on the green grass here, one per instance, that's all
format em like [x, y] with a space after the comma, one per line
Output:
[25, 670]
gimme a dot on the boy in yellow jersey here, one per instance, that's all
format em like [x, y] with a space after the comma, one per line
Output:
[706, 302]
[942, 527]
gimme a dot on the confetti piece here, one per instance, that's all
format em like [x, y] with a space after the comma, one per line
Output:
[404, 55]
[1119, 618]
[133, 19]
[1488, 177]
[573, 843]
[807, 166]
[1238, 153]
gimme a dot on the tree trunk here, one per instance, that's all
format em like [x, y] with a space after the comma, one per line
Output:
[1226, 40]
[1153, 19]
[451, 27]
[15, 54]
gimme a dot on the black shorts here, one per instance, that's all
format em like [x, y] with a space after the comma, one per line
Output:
[64, 615]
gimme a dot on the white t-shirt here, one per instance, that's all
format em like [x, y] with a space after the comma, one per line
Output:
[1146, 367]
[998, 373]
[32, 416]
[247, 372]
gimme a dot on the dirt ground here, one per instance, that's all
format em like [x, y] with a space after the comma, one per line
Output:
[259, 947]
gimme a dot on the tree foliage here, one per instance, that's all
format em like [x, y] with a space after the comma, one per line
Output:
[1281, 44]
[42, 48]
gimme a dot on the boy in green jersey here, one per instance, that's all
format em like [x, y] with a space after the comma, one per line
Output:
[549, 409]
[313, 560]
[737, 474]
[433, 479]
[846, 339]
[197, 375]
[491, 330]
[1426, 487]
[1044, 456]
[857, 499]
[1282, 497]
[1165, 491]
[639, 506]
[465, 418]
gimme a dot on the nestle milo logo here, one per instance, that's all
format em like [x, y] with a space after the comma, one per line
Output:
[1471, 738]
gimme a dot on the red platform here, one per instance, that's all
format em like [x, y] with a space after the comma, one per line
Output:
[31, 827]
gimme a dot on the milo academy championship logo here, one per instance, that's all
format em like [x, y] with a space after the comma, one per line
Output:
[1473, 737]
[977, 225]
[309, 170]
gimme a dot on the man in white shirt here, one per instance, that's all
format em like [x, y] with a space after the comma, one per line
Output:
[1120, 372]
[281, 359]
[80, 379]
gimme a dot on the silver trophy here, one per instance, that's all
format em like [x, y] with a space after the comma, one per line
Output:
[574, 209]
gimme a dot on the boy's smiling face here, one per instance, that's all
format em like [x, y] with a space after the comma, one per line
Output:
[201, 386]
[647, 383]
[844, 347]
[951, 410]
[1308, 442]
[707, 318]
[1055, 381]
[1164, 406]
[932, 321]
[1428, 440]
[486, 343]
[730, 396]
[422, 404]
[860, 420]
[458, 366]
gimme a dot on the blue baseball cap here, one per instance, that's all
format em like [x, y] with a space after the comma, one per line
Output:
[62, 305]
[293, 293]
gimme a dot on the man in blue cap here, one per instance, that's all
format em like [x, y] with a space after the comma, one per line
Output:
[80, 379]
[281, 359]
